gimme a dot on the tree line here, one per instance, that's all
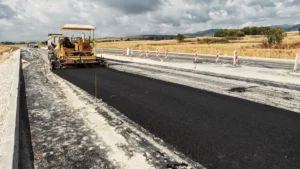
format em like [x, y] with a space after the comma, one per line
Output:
[274, 35]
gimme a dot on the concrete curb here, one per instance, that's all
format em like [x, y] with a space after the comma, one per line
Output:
[10, 150]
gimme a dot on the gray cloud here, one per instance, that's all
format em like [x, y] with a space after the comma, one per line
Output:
[34, 19]
[133, 6]
[6, 12]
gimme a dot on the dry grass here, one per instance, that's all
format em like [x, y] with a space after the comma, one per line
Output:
[2, 50]
[5, 49]
[246, 46]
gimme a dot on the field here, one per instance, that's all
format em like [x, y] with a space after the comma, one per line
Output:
[2, 50]
[246, 46]
[6, 49]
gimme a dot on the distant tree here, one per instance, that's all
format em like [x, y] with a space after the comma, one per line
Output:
[299, 30]
[221, 33]
[264, 30]
[240, 33]
[232, 33]
[254, 30]
[151, 38]
[275, 35]
[247, 30]
[272, 35]
[8, 43]
[180, 38]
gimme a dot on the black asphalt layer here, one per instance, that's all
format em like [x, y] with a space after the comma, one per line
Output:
[215, 130]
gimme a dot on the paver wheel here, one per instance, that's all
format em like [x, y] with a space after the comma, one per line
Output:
[106, 64]
[53, 65]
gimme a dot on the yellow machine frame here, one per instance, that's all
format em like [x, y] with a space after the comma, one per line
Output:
[69, 57]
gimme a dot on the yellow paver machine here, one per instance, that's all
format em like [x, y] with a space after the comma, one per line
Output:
[64, 51]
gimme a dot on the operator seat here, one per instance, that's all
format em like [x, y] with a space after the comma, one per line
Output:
[53, 45]
[67, 43]
[83, 46]
[80, 44]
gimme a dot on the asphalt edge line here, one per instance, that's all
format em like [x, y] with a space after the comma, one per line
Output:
[10, 150]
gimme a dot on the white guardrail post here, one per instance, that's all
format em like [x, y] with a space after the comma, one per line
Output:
[166, 54]
[196, 56]
[235, 58]
[141, 52]
[147, 52]
[217, 57]
[296, 68]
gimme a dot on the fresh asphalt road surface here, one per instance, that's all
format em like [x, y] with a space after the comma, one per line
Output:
[215, 130]
[228, 60]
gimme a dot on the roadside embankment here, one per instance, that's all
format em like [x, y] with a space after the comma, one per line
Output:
[9, 99]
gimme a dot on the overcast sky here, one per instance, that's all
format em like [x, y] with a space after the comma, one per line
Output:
[34, 19]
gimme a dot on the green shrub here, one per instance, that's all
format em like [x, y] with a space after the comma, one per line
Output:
[180, 37]
[275, 35]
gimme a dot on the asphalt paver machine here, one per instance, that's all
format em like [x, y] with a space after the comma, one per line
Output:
[69, 51]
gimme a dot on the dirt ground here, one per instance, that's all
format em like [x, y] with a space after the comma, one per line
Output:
[4, 49]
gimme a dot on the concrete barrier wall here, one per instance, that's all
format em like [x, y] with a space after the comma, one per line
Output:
[10, 145]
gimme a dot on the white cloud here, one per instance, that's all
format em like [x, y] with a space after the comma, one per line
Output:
[34, 19]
